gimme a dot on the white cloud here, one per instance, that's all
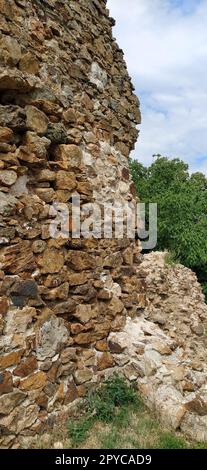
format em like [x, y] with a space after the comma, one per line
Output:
[166, 53]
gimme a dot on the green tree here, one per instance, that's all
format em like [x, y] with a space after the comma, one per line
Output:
[182, 209]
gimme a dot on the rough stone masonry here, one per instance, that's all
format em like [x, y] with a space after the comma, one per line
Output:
[75, 310]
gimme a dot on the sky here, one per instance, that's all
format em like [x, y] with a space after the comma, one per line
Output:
[165, 47]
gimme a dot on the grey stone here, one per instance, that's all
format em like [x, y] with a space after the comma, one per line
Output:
[13, 117]
[57, 134]
[51, 336]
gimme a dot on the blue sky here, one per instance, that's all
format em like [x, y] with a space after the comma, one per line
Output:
[187, 6]
[165, 46]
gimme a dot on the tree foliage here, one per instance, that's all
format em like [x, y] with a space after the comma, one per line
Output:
[182, 209]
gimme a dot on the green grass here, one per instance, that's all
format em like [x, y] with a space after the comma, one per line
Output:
[109, 403]
[168, 440]
[78, 430]
[114, 417]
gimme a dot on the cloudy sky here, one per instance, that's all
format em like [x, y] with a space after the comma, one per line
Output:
[165, 45]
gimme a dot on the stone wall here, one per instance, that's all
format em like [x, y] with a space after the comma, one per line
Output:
[68, 120]
[73, 310]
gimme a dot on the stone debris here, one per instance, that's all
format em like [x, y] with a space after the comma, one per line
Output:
[75, 310]
[168, 361]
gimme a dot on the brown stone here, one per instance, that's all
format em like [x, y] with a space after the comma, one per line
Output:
[54, 280]
[87, 291]
[128, 256]
[140, 348]
[35, 146]
[52, 373]
[46, 365]
[27, 367]
[84, 313]
[70, 155]
[74, 136]
[25, 155]
[28, 63]
[10, 400]
[123, 148]
[48, 107]
[42, 400]
[58, 397]
[102, 329]
[161, 347]
[198, 329]
[38, 246]
[83, 338]
[197, 365]
[113, 261]
[102, 345]
[10, 50]
[50, 389]
[85, 187]
[76, 328]
[72, 393]
[6, 383]
[46, 194]
[6, 134]
[82, 390]
[188, 386]
[80, 260]
[141, 300]
[88, 359]
[46, 175]
[51, 261]
[2, 323]
[77, 279]
[4, 305]
[105, 361]
[67, 355]
[62, 195]
[8, 154]
[37, 380]
[20, 418]
[36, 121]
[115, 347]
[133, 189]
[125, 174]
[198, 404]
[66, 370]
[65, 180]
[18, 258]
[58, 293]
[7, 9]
[82, 376]
[65, 307]
[70, 116]
[10, 359]
[7, 442]
[115, 306]
[12, 79]
[104, 294]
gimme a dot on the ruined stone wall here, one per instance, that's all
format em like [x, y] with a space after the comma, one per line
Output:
[73, 310]
[163, 349]
[68, 120]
